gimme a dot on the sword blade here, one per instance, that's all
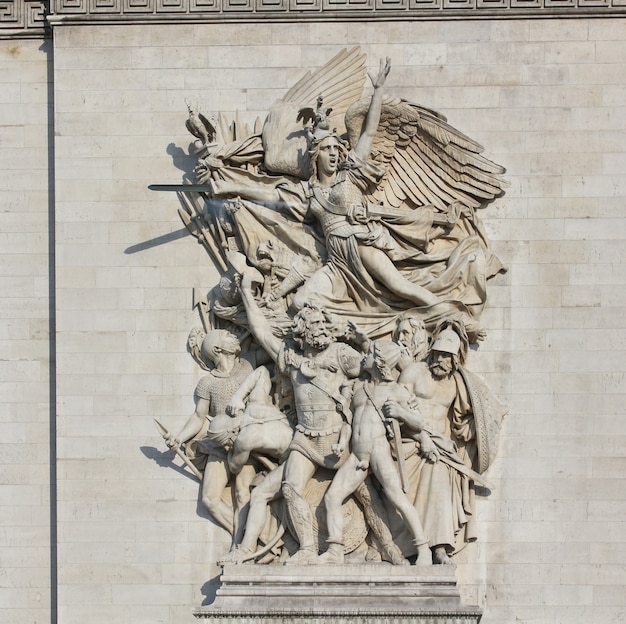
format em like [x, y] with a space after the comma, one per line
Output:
[397, 439]
[195, 188]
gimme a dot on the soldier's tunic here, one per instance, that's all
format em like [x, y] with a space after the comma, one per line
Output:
[218, 389]
[321, 408]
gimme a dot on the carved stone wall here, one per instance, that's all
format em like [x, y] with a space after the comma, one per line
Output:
[545, 96]
[26, 323]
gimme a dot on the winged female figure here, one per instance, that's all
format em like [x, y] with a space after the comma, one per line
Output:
[386, 218]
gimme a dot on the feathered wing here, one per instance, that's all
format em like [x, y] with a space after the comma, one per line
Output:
[428, 160]
[284, 151]
[340, 82]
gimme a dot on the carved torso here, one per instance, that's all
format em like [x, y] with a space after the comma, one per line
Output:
[436, 409]
[218, 388]
[333, 206]
[316, 380]
[434, 396]
[315, 409]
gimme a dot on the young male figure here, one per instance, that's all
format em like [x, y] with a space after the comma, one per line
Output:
[371, 452]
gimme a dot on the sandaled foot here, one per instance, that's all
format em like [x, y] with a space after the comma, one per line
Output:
[333, 556]
[237, 556]
[424, 555]
[393, 555]
[305, 556]
[372, 555]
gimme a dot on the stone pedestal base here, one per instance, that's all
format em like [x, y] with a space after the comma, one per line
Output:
[367, 594]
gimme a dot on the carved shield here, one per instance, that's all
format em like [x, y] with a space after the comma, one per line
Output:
[488, 415]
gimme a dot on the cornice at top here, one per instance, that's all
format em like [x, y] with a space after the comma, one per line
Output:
[21, 19]
[32, 18]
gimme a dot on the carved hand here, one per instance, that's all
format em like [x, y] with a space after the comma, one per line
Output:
[246, 283]
[235, 407]
[272, 296]
[428, 449]
[356, 335]
[216, 188]
[383, 72]
[172, 441]
[233, 205]
[337, 449]
[450, 216]
[392, 409]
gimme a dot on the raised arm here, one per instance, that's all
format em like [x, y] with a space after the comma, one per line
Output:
[366, 140]
[259, 325]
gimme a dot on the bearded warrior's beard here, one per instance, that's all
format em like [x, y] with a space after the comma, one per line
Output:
[318, 340]
[441, 372]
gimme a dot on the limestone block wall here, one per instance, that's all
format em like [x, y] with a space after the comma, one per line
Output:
[546, 98]
[25, 283]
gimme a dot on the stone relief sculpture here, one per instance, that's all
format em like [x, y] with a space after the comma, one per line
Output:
[371, 451]
[337, 407]
[209, 433]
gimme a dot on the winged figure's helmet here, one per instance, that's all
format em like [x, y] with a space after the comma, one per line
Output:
[318, 130]
[320, 123]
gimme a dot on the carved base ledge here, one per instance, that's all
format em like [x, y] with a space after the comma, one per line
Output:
[371, 594]
[456, 617]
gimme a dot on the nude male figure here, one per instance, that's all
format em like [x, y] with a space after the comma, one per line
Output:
[371, 452]
[261, 427]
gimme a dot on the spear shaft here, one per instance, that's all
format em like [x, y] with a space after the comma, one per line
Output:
[166, 435]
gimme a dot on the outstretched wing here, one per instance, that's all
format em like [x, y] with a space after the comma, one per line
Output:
[429, 161]
[340, 82]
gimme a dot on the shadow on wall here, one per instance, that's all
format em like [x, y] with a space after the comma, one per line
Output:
[209, 590]
[47, 48]
[183, 161]
[164, 459]
[155, 242]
